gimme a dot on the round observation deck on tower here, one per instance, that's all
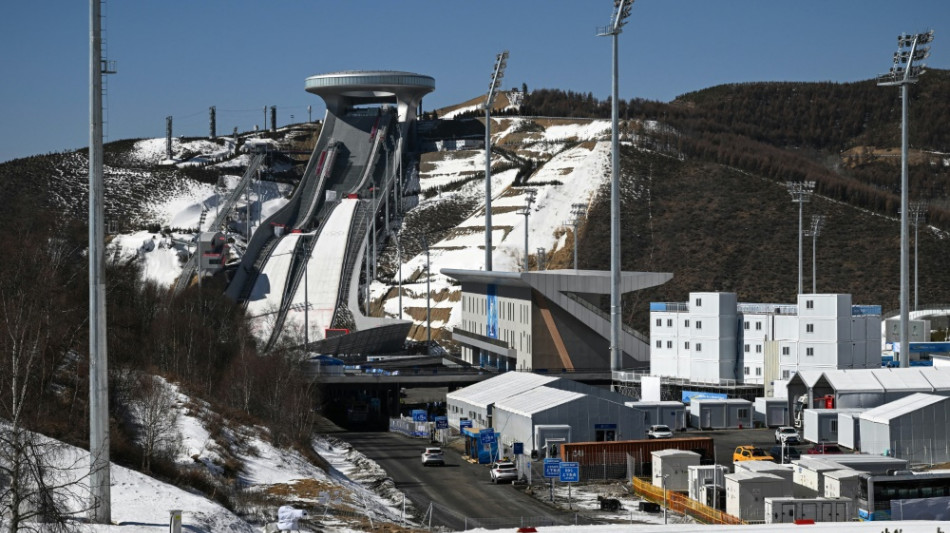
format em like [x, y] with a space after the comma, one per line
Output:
[341, 90]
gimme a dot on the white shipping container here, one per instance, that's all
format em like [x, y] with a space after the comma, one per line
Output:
[746, 493]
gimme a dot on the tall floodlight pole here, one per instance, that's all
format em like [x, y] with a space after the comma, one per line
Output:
[578, 211]
[903, 73]
[619, 18]
[526, 211]
[501, 61]
[917, 210]
[801, 193]
[817, 221]
[99, 471]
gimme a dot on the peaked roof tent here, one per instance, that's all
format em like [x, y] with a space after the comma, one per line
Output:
[906, 405]
[859, 380]
[495, 389]
[537, 400]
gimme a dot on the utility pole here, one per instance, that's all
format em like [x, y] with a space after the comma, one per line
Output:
[99, 471]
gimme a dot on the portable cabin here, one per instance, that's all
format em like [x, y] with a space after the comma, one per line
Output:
[720, 413]
[671, 413]
[844, 483]
[792, 510]
[674, 466]
[705, 475]
[821, 425]
[746, 493]
[771, 412]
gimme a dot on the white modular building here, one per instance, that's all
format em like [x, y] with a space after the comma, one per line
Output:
[713, 339]
[591, 416]
[671, 413]
[701, 476]
[790, 510]
[915, 428]
[746, 493]
[724, 413]
[849, 430]
[475, 402]
[672, 468]
[821, 425]
[771, 412]
[844, 483]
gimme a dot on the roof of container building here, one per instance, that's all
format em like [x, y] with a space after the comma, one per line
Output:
[728, 401]
[844, 473]
[817, 462]
[907, 379]
[492, 390]
[857, 380]
[662, 403]
[536, 400]
[906, 405]
[675, 453]
[753, 476]
[938, 377]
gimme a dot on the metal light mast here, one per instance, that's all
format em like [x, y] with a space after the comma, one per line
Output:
[526, 212]
[903, 73]
[99, 471]
[501, 61]
[801, 193]
[621, 13]
[817, 222]
[917, 210]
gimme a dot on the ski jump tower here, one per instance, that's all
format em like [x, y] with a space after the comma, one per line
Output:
[343, 208]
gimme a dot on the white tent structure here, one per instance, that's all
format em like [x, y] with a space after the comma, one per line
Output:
[916, 428]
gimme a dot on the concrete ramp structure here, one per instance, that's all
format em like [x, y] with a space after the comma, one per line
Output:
[301, 272]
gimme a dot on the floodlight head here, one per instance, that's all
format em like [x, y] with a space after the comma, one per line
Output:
[621, 13]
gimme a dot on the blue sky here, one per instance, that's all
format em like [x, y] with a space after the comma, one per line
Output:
[178, 57]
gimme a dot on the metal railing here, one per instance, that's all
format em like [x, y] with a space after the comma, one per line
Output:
[604, 315]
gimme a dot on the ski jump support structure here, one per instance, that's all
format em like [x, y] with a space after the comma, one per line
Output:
[192, 264]
[340, 169]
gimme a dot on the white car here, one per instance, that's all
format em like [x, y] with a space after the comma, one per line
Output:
[504, 471]
[433, 456]
[659, 431]
[788, 435]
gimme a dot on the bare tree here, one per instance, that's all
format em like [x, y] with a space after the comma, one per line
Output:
[37, 490]
[152, 403]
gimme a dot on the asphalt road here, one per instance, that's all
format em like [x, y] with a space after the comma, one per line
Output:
[726, 440]
[463, 492]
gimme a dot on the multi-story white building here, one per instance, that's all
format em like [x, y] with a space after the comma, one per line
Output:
[713, 339]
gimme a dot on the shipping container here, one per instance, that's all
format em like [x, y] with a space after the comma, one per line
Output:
[637, 452]
[789, 510]
[746, 493]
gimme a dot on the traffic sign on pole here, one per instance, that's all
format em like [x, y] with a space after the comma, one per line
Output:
[569, 472]
[552, 468]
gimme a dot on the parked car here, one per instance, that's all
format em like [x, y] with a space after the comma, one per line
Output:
[791, 454]
[659, 431]
[503, 471]
[750, 453]
[787, 434]
[824, 449]
[433, 456]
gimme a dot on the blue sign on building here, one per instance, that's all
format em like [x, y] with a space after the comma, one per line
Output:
[700, 395]
[441, 422]
[569, 472]
[487, 436]
[518, 448]
[465, 423]
[552, 468]
[419, 415]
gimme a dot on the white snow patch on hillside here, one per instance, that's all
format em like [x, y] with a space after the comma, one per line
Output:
[586, 131]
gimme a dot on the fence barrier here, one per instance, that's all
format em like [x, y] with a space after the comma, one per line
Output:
[679, 503]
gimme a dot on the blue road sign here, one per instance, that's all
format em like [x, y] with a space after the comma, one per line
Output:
[465, 423]
[552, 468]
[518, 448]
[441, 422]
[569, 472]
[487, 436]
[419, 415]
